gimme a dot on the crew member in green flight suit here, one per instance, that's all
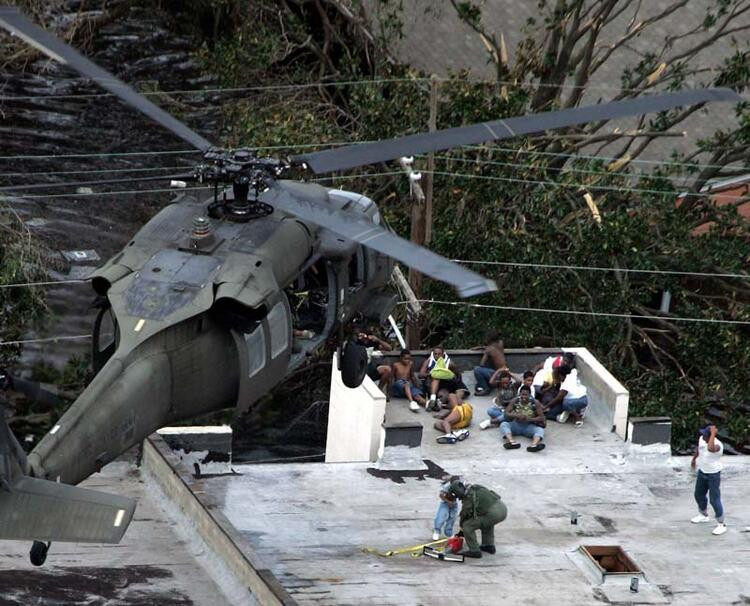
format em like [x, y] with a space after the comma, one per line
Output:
[481, 509]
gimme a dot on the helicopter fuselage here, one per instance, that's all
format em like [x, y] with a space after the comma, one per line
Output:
[202, 316]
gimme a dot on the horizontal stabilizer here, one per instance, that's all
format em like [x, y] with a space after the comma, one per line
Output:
[34, 509]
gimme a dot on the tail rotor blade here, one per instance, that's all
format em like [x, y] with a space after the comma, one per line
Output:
[17, 24]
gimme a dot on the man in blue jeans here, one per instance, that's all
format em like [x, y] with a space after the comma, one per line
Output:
[571, 400]
[493, 360]
[707, 458]
[524, 417]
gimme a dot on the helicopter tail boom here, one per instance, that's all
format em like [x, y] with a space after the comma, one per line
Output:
[41, 510]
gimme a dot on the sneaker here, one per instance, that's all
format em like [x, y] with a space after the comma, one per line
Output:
[563, 416]
[480, 391]
[485, 424]
[413, 406]
[700, 518]
[721, 528]
[436, 536]
[579, 424]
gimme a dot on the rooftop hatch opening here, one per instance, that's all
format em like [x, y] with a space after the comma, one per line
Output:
[610, 559]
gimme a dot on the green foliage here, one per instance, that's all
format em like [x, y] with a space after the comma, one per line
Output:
[19, 263]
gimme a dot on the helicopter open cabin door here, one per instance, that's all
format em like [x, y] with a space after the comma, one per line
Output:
[264, 352]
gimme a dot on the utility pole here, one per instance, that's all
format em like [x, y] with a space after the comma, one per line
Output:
[421, 216]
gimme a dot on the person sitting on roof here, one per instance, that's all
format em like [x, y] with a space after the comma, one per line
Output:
[524, 417]
[528, 380]
[493, 360]
[572, 396]
[405, 381]
[548, 394]
[438, 372]
[376, 370]
[457, 415]
[543, 371]
[507, 391]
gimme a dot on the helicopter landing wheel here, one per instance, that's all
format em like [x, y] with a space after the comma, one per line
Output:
[353, 364]
[38, 553]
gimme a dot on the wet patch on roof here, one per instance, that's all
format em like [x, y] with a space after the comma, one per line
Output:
[433, 471]
[68, 586]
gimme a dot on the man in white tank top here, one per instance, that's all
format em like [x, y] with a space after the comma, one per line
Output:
[707, 458]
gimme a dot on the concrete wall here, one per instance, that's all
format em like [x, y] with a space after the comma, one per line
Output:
[355, 418]
[608, 398]
[160, 463]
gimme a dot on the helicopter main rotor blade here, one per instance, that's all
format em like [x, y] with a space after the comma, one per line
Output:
[17, 24]
[353, 156]
[359, 229]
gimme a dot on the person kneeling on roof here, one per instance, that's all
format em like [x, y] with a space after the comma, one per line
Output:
[481, 509]
[524, 417]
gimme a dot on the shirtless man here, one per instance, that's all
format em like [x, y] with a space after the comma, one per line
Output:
[405, 381]
[493, 360]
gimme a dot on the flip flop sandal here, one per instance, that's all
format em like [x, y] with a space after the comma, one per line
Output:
[447, 439]
[462, 434]
[536, 448]
[511, 445]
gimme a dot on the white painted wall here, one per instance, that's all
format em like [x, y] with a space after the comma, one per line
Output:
[608, 398]
[355, 418]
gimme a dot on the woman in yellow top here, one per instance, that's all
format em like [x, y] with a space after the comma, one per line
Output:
[458, 414]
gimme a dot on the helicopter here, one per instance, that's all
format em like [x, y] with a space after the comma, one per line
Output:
[199, 310]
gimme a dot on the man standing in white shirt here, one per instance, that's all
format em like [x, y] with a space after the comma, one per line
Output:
[708, 459]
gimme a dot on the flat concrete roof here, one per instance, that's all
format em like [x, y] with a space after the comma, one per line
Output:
[309, 522]
[156, 562]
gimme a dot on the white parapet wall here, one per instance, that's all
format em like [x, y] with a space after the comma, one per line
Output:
[608, 398]
[355, 419]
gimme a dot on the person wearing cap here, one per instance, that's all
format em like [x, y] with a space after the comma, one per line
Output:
[707, 459]
[481, 509]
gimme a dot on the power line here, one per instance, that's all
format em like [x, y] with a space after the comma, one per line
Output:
[579, 312]
[589, 157]
[110, 193]
[92, 172]
[594, 268]
[342, 143]
[220, 89]
[183, 189]
[46, 283]
[560, 170]
[302, 86]
[46, 340]
[561, 184]
[177, 151]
